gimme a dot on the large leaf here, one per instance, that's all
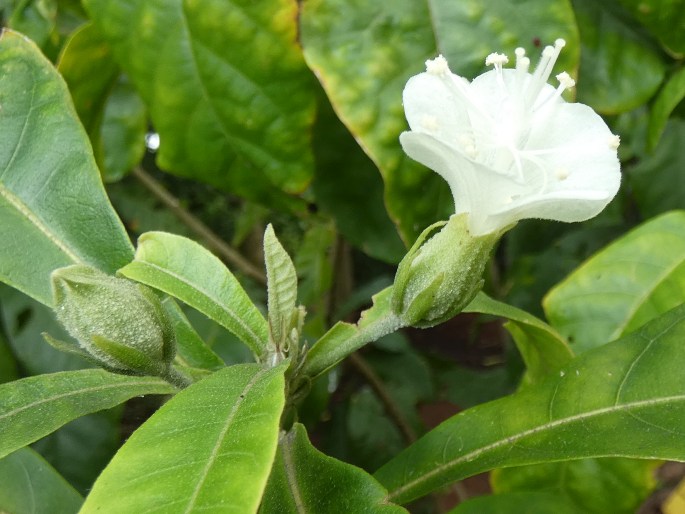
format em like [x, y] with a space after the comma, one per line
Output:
[661, 17]
[226, 86]
[668, 99]
[657, 180]
[516, 503]
[618, 69]
[33, 407]
[187, 271]
[305, 481]
[607, 402]
[28, 484]
[364, 52]
[593, 486]
[623, 286]
[542, 348]
[208, 449]
[52, 203]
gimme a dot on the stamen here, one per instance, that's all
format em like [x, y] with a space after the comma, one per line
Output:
[614, 142]
[522, 65]
[565, 80]
[437, 66]
[544, 69]
[496, 60]
[562, 174]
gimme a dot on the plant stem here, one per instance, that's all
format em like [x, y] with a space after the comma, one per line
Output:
[391, 408]
[345, 338]
[215, 242]
[175, 377]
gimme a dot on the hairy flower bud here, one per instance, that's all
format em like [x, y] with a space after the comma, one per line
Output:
[118, 322]
[441, 273]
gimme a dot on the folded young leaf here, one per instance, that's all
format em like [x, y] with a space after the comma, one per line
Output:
[33, 407]
[607, 402]
[210, 449]
[185, 270]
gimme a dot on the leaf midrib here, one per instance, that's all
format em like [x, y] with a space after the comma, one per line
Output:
[624, 407]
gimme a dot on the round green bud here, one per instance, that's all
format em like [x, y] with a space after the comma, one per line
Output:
[441, 273]
[119, 322]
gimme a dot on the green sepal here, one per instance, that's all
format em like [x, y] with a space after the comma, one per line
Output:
[130, 358]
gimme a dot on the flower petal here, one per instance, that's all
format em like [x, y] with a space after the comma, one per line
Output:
[433, 107]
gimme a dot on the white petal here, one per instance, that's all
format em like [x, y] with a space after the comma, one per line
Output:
[433, 107]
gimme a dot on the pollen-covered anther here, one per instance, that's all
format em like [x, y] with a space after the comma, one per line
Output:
[614, 142]
[437, 66]
[495, 59]
[565, 80]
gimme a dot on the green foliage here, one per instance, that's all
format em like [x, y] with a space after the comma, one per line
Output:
[611, 392]
[29, 484]
[185, 270]
[304, 480]
[212, 443]
[250, 140]
[41, 185]
[34, 407]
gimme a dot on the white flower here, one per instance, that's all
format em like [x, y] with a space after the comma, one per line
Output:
[508, 144]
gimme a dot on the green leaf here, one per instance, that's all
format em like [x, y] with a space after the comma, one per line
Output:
[226, 86]
[8, 364]
[346, 182]
[34, 18]
[52, 203]
[516, 503]
[88, 68]
[305, 481]
[619, 69]
[657, 180]
[623, 286]
[666, 101]
[33, 407]
[592, 486]
[185, 270]
[29, 484]
[282, 288]
[661, 17]
[542, 348]
[607, 402]
[121, 142]
[209, 448]
[364, 52]
[191, 350]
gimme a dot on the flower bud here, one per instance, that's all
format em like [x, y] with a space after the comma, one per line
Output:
[118, 322]
[441, 274]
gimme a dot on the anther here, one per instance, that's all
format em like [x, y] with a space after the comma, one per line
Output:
[437, 66]
[565, 80]
[496, 60]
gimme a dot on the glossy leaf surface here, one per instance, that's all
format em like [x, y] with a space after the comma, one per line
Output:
[52, 202]
[610, 393]
[185, 270]
[226, 87]
[33, 407]
[210, 448]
